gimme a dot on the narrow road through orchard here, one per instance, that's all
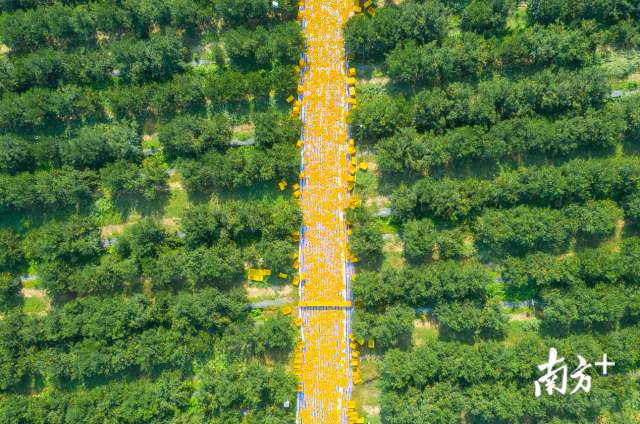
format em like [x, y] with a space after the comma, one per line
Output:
[325, 270]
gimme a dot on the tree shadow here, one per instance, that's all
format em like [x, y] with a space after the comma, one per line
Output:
[135, 204]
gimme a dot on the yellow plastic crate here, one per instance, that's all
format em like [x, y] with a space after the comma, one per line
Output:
[299, 322]
[296, 264]
[282, 275]
[296, 281]
[352, 91]
[295, 187]
[290, 99]
[351, 56]
[351, 81]
[371, 11]
[350, 186]
[351, 101]
[301, 176]
[300, 89]
[363, 166]
[286, 310]
[351, 404]
[299, 144]
[371, 344]
[352, 72]
[303, 276]
[301, 63]
[266, 271]
[357, 9]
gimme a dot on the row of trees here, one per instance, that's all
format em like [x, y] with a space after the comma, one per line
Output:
[44, 25]
[471, 54]
[168, 397]
[46, 189]
[261, 46]
[106, 336]
[241, 167]
[548, 93]
[230, 11]
[549, 11]
[407, 150]
[572, 183]
[155, 59]
[590, 267]
[39, 107]
[67, 186]
[524, 227]
[492, 382]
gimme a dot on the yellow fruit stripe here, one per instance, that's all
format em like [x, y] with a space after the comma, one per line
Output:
[324, 301]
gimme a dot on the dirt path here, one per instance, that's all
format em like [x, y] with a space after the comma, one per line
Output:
[326, 371]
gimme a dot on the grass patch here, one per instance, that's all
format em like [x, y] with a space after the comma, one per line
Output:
[393, 259]
[367, 183]
[32, 284]
[386, 225]
[242, 136]
[366, 393]
[152, 143]
[421, 335]
[178, 203]
[34, 305]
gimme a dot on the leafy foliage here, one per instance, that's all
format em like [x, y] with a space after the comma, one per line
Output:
[11, 252]
[410, 20]
[366, 243]
[191, 135]
[394, 325]
[575, 182]
[71, 241]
